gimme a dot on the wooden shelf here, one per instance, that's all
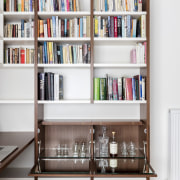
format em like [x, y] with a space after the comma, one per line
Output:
[20, 139]
[64, 65]
[99, 13]
[101, 65]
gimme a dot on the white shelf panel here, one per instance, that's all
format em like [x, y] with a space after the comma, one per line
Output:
[16, 101]
[64, 65]
[65, 102]
[120, 102]
[63, 39]
[97, 39]
[120, 65]
[98, 13]
[18, 13]
[18, 39]
[58, 13]
[17, 65]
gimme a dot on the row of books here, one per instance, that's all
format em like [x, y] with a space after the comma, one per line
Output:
[58, 5]
[51, 53]
[25, 29]
[18, 56]
[50, 86]
[118, 5]
[121, 88]
[120, 26]
[19, 5]
[56, 27]
[138, 55]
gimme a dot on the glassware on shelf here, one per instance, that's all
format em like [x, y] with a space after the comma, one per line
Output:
[103, 143]
[76, 150]
[113, 146]
[103, 164]
[124, 149]
[83, 150]
[59, 151]
[65, 150]
[131, 149]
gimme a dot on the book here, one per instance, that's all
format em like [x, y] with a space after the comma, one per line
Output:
[120, 88]
[129, 93]
[61, 86]
[41, 86]
[115, 88]
[96, 88]
[102, 89]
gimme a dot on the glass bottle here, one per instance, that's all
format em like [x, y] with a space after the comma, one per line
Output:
[113, 146]
[103, 143]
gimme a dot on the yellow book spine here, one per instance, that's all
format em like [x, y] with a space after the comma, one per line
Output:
[96, 27]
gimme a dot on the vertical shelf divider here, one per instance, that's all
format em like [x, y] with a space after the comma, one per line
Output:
[92, 52]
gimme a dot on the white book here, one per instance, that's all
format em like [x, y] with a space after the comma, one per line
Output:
[65, 5]
[84, 26]
[80, 54]
[45, 31]
[110, 5]
[143, 26]
[25, 30]
[116, 5]
[56, 87]
[75, 27]
[52, 6]
[57, 25]
[142, 54]
[104, 28]
[32, 29]
[1, 52]
[77, 5]
[19, 30]
[70, 28]
[99, 26]
[12, 6]
[39, 5]
[59, 5]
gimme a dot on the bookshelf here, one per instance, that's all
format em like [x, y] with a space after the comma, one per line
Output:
[78, 116]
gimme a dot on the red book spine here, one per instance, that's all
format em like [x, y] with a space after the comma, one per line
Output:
[67, 4]
[129, 94]
[68, 35]
[115, 27]
[48, 27]
[22, 56]
[115, 89]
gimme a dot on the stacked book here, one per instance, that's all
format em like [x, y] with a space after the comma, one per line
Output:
[25, 29]
[139, 54]
[18, 56]
[50, 86]
[19, 5]
[120, 26]
[58, 5]
[56, 27]
[121, 88]
[51, 53]
[118, 5]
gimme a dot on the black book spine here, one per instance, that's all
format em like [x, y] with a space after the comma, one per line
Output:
[119, 28]
[47, 81]
[41, 86]
[55, 53]
[72, 54]
[58, 55]
[51, 86]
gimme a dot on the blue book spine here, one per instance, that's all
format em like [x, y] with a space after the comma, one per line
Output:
[81, 27]
[109, 26]
[62, 5]
[74, 51]
[136, 5]
[140, 83]
[106, 5]
[54, 25]
[45, 51]
[65, 27]
[128, 26]
[30, 6]
[22, 27]
[133, 89]
[61, 52]
[54, 5]
[123, 28]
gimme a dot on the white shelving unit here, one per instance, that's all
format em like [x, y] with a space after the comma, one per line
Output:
[64, 39]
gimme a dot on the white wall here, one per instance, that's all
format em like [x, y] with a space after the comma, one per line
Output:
[165, 73]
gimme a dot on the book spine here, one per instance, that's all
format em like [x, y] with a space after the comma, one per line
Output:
[96, 26]
[54, 26]
[56, 87]
[61, 85]
[115, 27]
[57, 26]
[65, 27]
[96, 88]
[112, 26]
[22, 56]
[143, 26]
[41, 88]
[129, 94]
[109, 26]
[22, 28]
[84, 26]
[115, 89]
[119, 88]
[119, 26]
[102, 89]
[41, 29]
[143, 88]
[140, 86]
[145, 52]
[128, 26]
[49, 27]
[139, 5]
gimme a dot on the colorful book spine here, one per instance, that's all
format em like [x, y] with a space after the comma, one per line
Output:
[102, 89]
[96, 88]
[119, 88]
[129, 93]
[115, 89]
[115, 27]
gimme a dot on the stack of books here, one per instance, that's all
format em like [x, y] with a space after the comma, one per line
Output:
[51, 53]
[120, 26]
[56, 27]
[121, 88]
